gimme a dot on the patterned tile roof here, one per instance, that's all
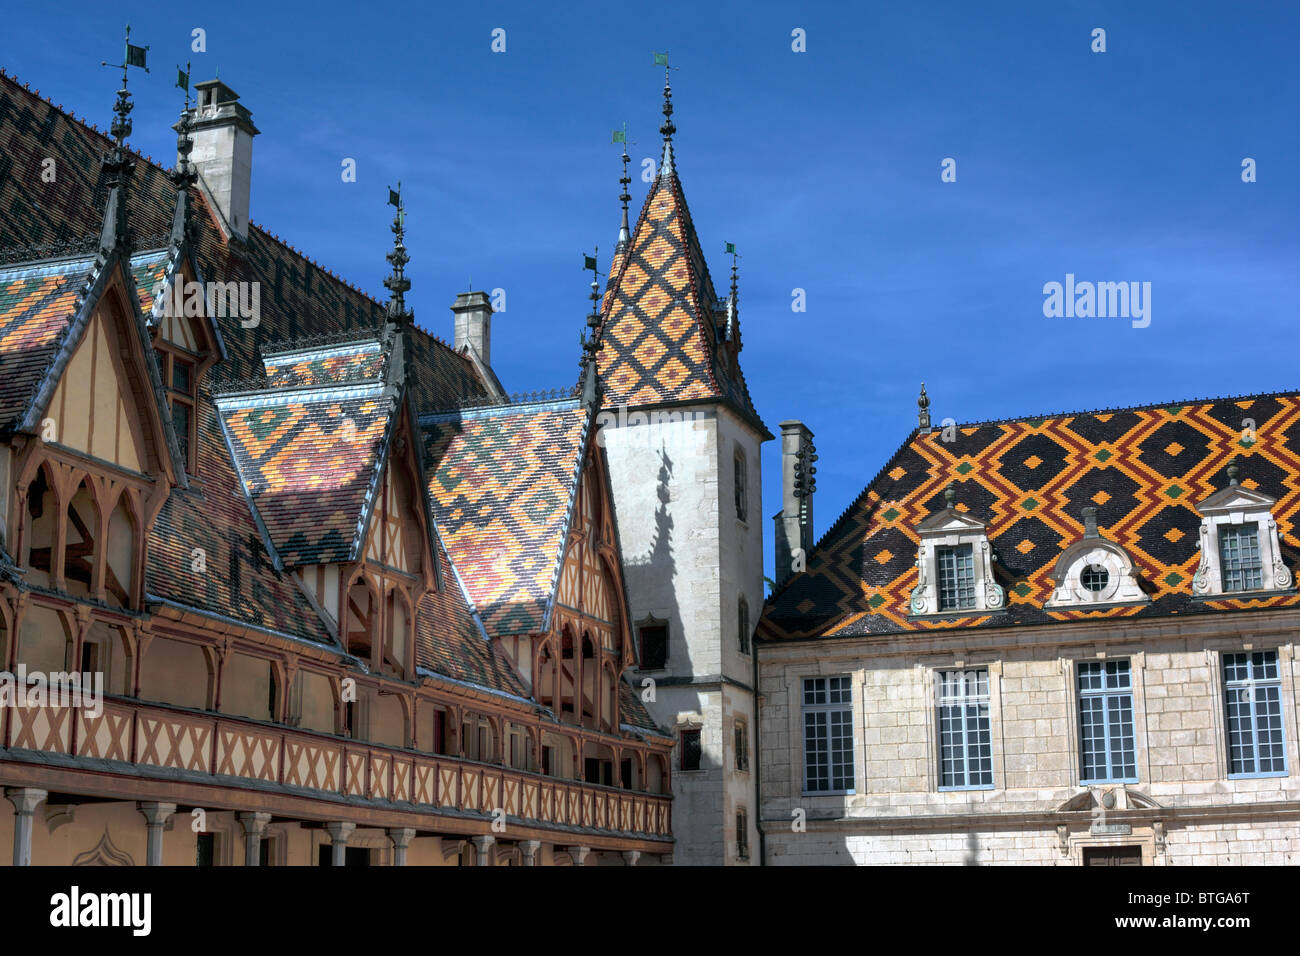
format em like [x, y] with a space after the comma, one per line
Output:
[36, 307]
[148, 269]
[299, 300]
[1144, 469]
[308, 461]
[501, 485]
[658, 336]
[339, 365]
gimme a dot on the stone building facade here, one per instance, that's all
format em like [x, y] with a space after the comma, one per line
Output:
[1121, 693]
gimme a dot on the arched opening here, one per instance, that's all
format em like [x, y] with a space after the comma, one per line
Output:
[398, 635]
[590, 697]
[362, 615]
[106, 650]
[387, 720]
[40, 518]
[175, 672]
[80, 546]
[565, 692]
[248, 687]
[45, 642]
[544, 688]
[311, 704]
[120, 555]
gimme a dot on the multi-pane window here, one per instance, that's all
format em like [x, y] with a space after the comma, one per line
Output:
[1239, 557]
[691, 749]
[742, 835]
[1252, 691]
[741, 748]
[827, 734]
[956, 577]
[965, 738]
[742, 500]
[742, 620]
[654, 646]
[180, 384]
[1107, 747]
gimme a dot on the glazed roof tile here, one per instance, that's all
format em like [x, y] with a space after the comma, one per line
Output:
[1144, 469]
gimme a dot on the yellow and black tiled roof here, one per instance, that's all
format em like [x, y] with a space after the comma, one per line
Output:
[1144, 469]
[658, 334]
[502, 482]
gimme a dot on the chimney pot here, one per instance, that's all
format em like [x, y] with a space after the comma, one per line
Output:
[223, 134]
[473, 324]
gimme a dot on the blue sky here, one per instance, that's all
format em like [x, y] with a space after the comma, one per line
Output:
[823, 167]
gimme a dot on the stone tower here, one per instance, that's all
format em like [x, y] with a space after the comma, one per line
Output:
[683, 440]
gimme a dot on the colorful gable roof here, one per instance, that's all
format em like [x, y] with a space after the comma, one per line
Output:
[37, 303]
[658, 333]
[337, 365]
[1144, 469]
[502, 482]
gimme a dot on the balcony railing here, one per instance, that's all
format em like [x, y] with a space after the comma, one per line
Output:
[152, 735]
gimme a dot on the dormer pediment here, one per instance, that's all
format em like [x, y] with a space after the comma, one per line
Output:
[1235, 498]
[950, 521]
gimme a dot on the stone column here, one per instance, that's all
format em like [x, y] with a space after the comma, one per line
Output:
[156, 816]
[483, 844]
[528, 850]
[25, 801]
[339, 833]
[579, 854]
[254, 825]
[631, 856]
[401, 837]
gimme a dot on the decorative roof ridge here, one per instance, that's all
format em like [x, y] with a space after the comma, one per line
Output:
[283, 394]
[311, 343]
[85, 123]
[518, 402]
[381, 306]
[1210, 400]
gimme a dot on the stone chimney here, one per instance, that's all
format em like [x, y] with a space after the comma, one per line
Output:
[474, 325]
[223, 152]
[794, 523]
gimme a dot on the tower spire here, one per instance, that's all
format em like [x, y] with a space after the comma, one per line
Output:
[589, 341]
[666, 167]
[118, 164]
[183, 174]
[624, 231]
[397, 283]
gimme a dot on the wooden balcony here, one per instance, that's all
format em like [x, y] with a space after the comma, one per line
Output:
[221, 750]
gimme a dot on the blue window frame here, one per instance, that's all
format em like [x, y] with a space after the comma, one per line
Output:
[956, 577]
[1107, 746]
[828, 735]
[1252, 697]
[965, 737]
[1239, 557]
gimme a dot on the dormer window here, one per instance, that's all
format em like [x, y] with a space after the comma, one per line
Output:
[955, 564]
[1095, 571]
[1241, 552]
[956, 578]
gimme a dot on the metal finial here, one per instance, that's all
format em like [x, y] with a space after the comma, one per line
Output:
[666, 166]
[397, 283]
[950, 494]
[118, 164]
[923, 413]
[184, 175]
[1233, 471]
[624, 232]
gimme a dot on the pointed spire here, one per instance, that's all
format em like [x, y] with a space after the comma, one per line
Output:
[666, 166]
[397, 283]
[118, 164]
[624, 232]
[184, 174]
[589, 340]
[732, 330]
[923, 411]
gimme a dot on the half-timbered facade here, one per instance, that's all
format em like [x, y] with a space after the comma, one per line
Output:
[283, 579]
